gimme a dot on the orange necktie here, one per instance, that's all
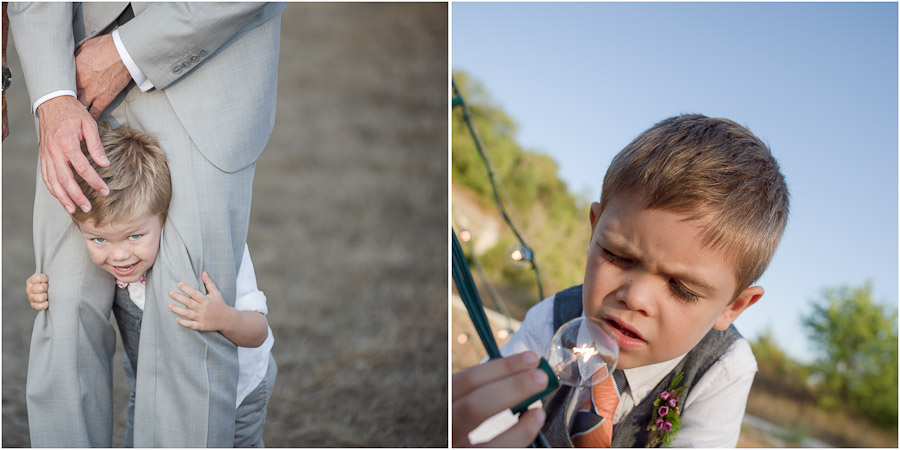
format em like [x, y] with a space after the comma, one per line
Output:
[605, 397]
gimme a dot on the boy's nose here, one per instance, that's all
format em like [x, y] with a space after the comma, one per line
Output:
[120, 254]
[636, 292]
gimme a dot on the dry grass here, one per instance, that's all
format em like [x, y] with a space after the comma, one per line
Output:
[348, 232]
[806, 419]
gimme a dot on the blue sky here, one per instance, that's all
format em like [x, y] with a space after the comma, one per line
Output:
[816, 81]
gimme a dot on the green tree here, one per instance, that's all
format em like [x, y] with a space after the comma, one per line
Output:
[553, 220]
[857, 342]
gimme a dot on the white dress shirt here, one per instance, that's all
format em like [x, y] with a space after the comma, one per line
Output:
[253, 362]
[712, 412]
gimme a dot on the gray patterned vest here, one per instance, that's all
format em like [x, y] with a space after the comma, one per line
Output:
[631, 431]
[128, 316]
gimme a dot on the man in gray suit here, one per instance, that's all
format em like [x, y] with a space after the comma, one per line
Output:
[202, 78]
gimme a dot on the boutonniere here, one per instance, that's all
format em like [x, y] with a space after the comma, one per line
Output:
[666, 419]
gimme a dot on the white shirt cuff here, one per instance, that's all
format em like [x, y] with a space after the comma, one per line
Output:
[137, 75]
[50, 96]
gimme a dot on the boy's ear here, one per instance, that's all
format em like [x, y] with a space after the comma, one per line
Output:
[746, 298]
[595, 216]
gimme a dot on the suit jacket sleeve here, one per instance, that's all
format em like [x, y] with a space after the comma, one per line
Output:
[46, 48]
[168, 40]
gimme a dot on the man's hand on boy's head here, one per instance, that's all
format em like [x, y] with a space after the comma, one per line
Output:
[202, 312]
[36, 287]
[482, 391]
[63, 124]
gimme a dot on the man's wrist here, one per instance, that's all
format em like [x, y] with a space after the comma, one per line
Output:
[50, 96]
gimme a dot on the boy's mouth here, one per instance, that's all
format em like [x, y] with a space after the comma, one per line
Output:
[124, 270]
[622, 328]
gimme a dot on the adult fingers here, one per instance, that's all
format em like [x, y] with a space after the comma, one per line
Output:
[56, 187]
[95, 149]
[67, 184]
[494, 397]
[468, 380]
[37, 298]
[522, 433]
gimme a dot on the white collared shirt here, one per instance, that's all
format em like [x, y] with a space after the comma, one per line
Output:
[712, 412]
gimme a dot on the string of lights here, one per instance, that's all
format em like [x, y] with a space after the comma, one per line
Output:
[525, 253]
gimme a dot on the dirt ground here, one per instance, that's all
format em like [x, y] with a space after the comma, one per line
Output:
[348, 232]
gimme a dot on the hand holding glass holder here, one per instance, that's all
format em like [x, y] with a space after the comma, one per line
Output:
[583, 352]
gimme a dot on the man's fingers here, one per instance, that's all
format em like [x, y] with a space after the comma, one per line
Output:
[466, 381]
[522, 433]
[95, 147]
[494, 397]
[38, 298]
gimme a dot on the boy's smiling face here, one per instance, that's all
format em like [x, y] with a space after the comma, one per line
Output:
[124, 249]
[649, 276]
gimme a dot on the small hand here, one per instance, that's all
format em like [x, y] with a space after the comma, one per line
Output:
[203, 312]
[487, 389]
[64, 123]
[36, 287]
[100, 74]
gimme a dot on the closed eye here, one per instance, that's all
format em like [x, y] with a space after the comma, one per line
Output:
[682, 293]
[615, 259]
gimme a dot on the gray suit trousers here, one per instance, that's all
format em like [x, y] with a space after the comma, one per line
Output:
[186, 379]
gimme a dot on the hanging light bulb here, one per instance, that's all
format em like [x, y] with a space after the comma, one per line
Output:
[583, 353]
[462, 338]
[465, 235]
[518, 256]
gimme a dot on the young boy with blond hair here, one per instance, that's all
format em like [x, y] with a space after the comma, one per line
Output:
[122, 235]
[690, 215]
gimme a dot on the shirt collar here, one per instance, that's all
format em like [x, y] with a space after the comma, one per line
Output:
[124, 285]
[642, 380]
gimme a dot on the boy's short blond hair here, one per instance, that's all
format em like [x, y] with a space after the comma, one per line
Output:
[710, 169]
[137, 176]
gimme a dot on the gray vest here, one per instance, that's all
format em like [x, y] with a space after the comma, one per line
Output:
[128, 316]
[631, 431]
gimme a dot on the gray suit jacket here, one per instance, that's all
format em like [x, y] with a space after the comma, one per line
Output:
[189, 50]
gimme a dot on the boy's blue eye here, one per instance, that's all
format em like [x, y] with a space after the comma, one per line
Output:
[135, 237]
[98, 240]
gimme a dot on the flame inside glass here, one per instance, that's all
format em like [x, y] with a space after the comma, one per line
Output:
[583, 353]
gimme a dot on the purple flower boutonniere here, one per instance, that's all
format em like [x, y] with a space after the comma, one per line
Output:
[666, 419]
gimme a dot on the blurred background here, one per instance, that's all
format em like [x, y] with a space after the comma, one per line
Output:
[348, 232]
[556, 90]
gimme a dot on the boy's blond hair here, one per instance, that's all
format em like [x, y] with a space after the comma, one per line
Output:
[710, 169]
[137, 176]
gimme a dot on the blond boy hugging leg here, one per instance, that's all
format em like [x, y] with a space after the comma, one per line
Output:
[122, 236]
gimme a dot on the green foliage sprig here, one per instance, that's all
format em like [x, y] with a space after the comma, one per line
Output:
[666, 419]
